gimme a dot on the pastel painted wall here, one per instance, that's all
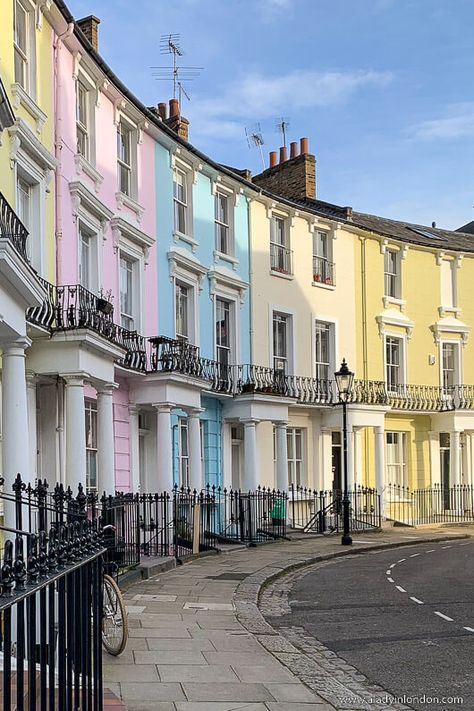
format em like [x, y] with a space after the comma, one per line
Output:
[42, 93]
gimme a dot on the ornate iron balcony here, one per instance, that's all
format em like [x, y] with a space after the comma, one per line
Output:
[324, 271]
[12, 228]
[72, 307]
[281, 258]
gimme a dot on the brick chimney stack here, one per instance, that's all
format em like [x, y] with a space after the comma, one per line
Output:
[90, 27]
[293, 177]
[175, 121]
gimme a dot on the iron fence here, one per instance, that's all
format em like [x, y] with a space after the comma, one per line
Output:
[436, 504]
[50, 609]
[316, 511]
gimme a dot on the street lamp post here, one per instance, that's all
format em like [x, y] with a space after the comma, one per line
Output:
[344, 380]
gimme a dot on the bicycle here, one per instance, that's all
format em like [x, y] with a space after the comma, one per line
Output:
[114, 614]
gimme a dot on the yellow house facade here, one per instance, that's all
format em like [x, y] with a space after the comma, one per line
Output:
[27, 160]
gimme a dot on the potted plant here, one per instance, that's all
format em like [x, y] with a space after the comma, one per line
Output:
[104, 302]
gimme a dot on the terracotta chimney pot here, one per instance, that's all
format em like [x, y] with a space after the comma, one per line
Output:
[283, 154]
[293, 149]
[163, 110]
[304, 146]
[273, 159]
[174, 108]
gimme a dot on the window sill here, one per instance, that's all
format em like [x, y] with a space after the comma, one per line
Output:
[83, 166]
[282, 275]
[179, 236]
[127, 201]
[223, 257]
[444, 310]
[21, 98]
[392, 301]
[322, 285]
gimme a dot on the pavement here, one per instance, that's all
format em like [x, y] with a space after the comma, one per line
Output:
[198, 641]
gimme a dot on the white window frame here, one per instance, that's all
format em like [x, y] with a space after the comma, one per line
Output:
[452, 265]
[90, 227]
[292, 433]
[190, 274]
[291, 341]
[281, 251]
[280, 359]
[28, 56]
[332, 350]
[131, 167]
[87, 160]
[395, 276]
[448, 391]
[231, 290]
[180, 284]
[232, 339]
[402, 365]
[134, 316]
[229, 226]
[29, 173]
[90, 410]
[324, 272]
[400, 448]
[188, 174]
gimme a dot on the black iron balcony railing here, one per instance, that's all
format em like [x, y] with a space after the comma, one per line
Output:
[324, 271]
[12, 228]
[281, 258]
[175, 355]
[72, 307]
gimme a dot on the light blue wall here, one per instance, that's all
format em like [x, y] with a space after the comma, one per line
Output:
[204, 234]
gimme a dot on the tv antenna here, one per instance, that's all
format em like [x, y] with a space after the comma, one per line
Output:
[282, 125]
[170, 44]
[182, 90]
[255, 139]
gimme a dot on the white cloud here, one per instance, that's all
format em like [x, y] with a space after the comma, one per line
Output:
[258, 97]
[457, 122]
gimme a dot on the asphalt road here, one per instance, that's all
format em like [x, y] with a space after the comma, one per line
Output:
[379, 612]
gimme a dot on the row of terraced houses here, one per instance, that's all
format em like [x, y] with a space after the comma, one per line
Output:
[165, 319]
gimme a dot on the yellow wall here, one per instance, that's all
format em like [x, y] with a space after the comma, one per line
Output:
[44, 100]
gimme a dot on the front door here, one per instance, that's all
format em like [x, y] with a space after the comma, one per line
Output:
[336, 462]
[237, 456]
[445, 456]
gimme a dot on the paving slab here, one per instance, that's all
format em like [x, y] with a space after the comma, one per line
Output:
[200, 642]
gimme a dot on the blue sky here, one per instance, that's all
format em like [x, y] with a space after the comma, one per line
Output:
[382, 88]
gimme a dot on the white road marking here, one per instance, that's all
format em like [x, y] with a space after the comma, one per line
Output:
[413, 555]
[465, 544]
[433, 550]
[388, 572]
[390, 580]
[415, 599]
[445, 617]
[393, 565]
[444, 547]
[469, 629]
[399, 587]
[401, 560]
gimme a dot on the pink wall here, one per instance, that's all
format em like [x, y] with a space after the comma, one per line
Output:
[68, 248]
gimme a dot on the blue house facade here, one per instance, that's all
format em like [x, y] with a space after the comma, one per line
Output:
[203, 322]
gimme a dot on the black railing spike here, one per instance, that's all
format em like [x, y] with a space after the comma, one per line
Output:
[19, 568]
[32, 560]
[7, 579]
[52, 550]
[43, 555]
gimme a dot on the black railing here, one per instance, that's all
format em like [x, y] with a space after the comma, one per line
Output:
[12, 228]
[72, 307]
[50, 608]
[260, 379]
[435, 504]
[281, 258]
[324, 271]
[316, 511]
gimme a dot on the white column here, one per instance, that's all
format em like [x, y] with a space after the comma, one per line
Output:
[227, 454]
[435, 467]
[164, 448]
[357, 458]
[105, 439]
[133, 412]
[195, 466]
[455, 458]
[32, 424]
[250, 478]
[75, 432]
[466, 458]
[325, 476]
[282, 456]
[350, 456]
[380, 465]
[15, 447]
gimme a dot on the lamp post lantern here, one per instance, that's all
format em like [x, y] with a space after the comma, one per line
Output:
[344, 381]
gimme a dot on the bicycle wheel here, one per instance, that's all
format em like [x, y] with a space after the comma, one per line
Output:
[114, 618]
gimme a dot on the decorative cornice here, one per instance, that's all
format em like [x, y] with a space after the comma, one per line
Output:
[81, 196]
[83, 166]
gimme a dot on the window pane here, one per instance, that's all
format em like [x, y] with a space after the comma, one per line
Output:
[24, 202]
[126, 292]
[85, 258]
[20, 27]
[182, 311]
[320, 245]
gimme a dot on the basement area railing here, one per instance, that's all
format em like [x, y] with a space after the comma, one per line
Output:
[321, 511]
[435, 504]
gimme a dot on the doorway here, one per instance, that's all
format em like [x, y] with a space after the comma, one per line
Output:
[444, 453]
[237, 442]
[336, 462]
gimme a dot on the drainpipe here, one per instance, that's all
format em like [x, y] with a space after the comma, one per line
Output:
[58, 148]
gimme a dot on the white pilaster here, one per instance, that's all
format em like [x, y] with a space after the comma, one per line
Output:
[435, 465]
[282, 456]
[350, 456]
[380, 465]
[250, 478]
[227, 454]
[15, 446]
[325, 476]
[105, 439]
[195, 465]
[75, 432]
[164, 448]
[455, 458]
[133, 412]
[32, 424]
[357, 458]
